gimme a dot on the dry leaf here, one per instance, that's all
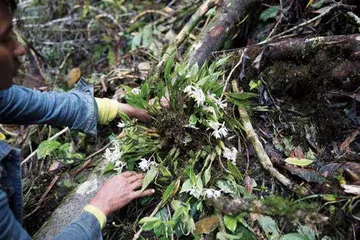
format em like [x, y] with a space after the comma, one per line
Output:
[351, 189]
[349, 140]
[207, 225]
[74, 76]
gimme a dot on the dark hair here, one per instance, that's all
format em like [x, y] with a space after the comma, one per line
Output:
[11, 4]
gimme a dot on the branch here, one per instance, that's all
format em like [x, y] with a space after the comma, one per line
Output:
[258, 147]
[213, 36]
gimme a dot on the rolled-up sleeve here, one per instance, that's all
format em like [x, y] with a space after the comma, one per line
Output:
[10, 228]
[76, 109]
[85, 227]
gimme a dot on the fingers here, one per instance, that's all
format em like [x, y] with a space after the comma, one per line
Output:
[136, 177]
[127, 174]
[139, 194]
[137, 184]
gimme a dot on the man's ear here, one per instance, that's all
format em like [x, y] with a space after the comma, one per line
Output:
[6, 69]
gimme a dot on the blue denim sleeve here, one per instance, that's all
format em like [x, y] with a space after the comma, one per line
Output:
[10, 227]
[85, 227]
[76, 109]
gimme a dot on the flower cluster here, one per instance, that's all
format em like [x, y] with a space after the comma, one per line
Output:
[113, 155]
[196, 93]
[207, 192]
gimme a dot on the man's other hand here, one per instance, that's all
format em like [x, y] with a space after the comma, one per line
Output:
[119, 191]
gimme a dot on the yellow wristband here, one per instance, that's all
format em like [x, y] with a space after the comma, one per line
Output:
[100, 216]
[107, 109]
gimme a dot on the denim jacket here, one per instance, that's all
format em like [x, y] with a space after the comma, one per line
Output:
[76, 109]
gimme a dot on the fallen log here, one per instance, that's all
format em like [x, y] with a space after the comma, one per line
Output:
[213, 36]
[72, 206]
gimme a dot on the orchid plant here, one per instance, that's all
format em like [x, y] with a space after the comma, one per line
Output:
[190, 151]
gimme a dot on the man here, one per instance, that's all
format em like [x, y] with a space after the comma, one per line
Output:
[77, 109]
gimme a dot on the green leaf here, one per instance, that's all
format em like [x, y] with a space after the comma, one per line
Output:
[207, 175]
[254, 85]
[187, 185]
[230, 223]
[292, 236]
[269, 13]
[136, 41]
[302, 162]
[170, 190]
[226, 236]
[147, 34]
[149, 177]
[109, 167]
[47, 147]
[242, 96]
[111, 56]
[234, 170]
[165, 171]
[307, 232]
[269, 226]
[148, 220]
[193, 119]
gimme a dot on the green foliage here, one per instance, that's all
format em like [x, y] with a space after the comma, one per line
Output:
[46, 148]
[302, 162]
[269, 13]
[149, 177]
[53, 148]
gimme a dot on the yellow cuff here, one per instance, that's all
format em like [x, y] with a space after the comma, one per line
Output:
[100, 216]
[107, 110]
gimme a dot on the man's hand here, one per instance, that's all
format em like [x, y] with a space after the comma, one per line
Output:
[132, 112]
[119, 191]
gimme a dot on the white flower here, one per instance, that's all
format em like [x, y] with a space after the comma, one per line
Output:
[113, 155]
[219, 129]
[230, 154]
[145, 165]
[121, 124]
[213, 124]
[196, 93]
[212, 193]
[136, 91]
[195, 191]
[221, 103]
[209, 110]
[221, 132]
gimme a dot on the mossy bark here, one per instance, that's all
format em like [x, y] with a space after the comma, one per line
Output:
[72, 206]
[213, 36]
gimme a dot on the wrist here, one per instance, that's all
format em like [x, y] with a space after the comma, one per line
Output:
[102, 207]
[97, 213]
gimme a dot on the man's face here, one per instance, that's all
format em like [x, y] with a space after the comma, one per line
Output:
[10, 48]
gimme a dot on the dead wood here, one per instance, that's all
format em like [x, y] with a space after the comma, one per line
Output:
[301, 47]
[270, 207]
[258, 147]
[213, 36]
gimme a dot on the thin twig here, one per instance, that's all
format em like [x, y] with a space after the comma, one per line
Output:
[52, 138]
[140, 15]
[137, 235]
[327, 11]
[89, 158]
[187, 29]
[231, 73]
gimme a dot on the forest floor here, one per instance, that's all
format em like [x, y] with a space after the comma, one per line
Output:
[303, 103]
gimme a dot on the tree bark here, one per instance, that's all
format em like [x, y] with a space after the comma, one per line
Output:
[213, 36]
[72, 206]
